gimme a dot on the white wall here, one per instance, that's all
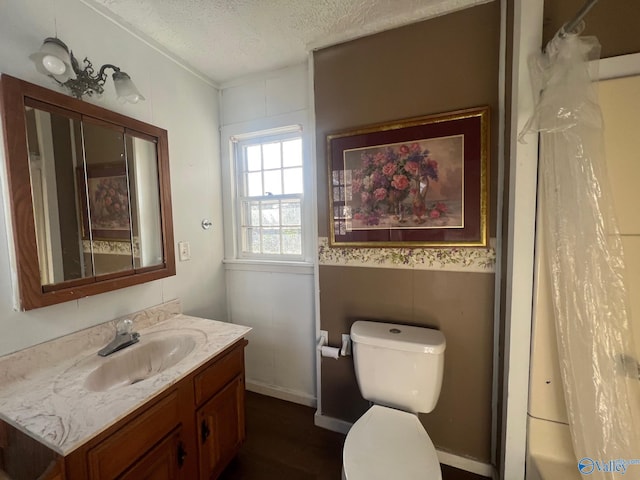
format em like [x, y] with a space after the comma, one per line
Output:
[179, 101]
[276, 300]
[278, 305]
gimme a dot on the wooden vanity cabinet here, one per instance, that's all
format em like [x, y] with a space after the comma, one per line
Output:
[221, 422]
[130, 443]
[191, 431]
[219, 394]
[163, 462]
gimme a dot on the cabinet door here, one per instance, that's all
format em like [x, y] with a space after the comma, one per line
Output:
[163, 462]
[114, 455]
[221, 426]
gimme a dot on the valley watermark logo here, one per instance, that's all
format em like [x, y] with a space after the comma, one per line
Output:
[587, 465]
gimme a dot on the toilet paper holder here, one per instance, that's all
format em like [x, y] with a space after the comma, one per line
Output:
[343, 351]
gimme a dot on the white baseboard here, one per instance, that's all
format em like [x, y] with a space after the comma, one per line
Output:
[281, 393]
[456, 461]
[465, 463]
[330, 423]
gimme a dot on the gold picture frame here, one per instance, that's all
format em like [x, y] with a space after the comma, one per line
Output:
[418, 182]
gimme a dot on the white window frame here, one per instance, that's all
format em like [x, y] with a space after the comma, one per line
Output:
[257, 138]
[230, 135]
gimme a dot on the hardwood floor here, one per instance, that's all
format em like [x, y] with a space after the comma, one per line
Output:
[284, 444]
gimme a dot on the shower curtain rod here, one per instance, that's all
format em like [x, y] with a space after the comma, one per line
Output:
[573, 23]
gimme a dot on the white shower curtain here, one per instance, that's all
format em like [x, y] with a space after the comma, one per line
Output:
[584, 251]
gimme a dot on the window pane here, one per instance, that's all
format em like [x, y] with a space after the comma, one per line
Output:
[254, 218]
[271, 152]
[253, 158]
[271, 240]
[251, 240]
[291, 212]
[271, 214]
[254, 184]
[273, 182]
[292, 179]
[255, 240]
[292, 153]
[291, 241]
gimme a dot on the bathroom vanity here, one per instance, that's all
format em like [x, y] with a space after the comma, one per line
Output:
[179, 416]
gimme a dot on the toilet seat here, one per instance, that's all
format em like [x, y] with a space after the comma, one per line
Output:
[388, 443]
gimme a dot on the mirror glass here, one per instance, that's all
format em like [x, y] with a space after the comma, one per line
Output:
[55, 154]
[95, 194]
[146, 223]
[106, 229]
[90, 196]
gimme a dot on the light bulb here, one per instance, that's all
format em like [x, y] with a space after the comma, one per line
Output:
[53, 64]
[53, 59]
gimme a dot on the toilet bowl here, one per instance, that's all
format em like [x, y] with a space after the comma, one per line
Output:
[399, 369]
[385, 444]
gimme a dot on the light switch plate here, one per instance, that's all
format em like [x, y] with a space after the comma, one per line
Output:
[184, 251]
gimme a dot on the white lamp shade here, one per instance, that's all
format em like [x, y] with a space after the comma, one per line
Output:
[125, 88]
[53, 59]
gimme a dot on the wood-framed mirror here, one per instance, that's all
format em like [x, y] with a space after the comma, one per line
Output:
[89, 195]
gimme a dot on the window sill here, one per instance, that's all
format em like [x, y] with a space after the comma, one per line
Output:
[273, 266]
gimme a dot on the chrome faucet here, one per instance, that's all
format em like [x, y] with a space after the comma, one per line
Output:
[124, 337]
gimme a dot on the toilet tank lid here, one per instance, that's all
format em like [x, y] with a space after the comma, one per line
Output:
[398, 337]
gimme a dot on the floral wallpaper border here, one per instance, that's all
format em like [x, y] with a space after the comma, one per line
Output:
[449, 259]
[111, 247]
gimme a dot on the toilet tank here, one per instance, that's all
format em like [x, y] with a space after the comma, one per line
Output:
[398, 366]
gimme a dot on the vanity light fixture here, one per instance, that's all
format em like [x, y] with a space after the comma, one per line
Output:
[56, 60]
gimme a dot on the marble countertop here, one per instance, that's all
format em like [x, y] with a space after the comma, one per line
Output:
[50, 401]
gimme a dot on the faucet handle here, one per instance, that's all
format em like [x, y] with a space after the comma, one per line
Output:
[124, 326]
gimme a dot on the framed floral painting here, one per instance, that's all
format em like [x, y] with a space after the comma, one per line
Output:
[107, 193]
[417, 182]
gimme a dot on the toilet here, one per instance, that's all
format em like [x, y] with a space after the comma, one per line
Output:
[399, 369]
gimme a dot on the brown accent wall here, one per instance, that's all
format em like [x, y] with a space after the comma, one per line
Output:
[439, 65]
[458, 304]
[65, 186]
[614, 23]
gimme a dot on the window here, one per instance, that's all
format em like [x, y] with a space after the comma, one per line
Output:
[270, 196]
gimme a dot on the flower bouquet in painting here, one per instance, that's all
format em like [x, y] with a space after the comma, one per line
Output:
[400, 185]
[109, 203]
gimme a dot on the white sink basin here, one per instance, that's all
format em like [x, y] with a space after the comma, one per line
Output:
[140, 361]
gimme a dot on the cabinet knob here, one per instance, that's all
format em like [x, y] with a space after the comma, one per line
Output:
[182, 453]
[204, 431]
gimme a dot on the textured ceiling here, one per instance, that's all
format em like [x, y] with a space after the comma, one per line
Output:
[228, 39]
